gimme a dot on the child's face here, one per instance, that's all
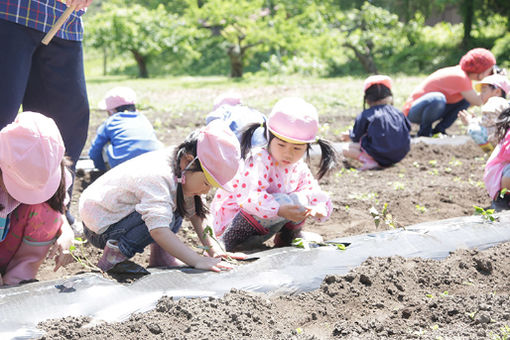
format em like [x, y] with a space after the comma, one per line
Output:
[286, 153]
[488, 91]
[195, 184]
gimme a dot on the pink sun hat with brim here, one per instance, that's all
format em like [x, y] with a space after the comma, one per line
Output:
[294, 120]
[228, 98]
[219, 153]
[377, 79]
[496, 80]
[31, 152]
[117, 96]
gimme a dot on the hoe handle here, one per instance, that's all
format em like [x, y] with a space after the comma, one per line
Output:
[47, 38]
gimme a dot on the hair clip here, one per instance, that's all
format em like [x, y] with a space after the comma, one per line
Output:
[181, 179]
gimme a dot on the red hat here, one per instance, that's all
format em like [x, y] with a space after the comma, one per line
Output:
[477, 60]
[377, 79]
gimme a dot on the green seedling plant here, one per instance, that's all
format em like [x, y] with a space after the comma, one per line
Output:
[486, 214]
[503, 192]
[208, 231]
[422, 209]
[383, 216]
[79, 256]
[306, 245]
[433, 162]
[504, 333]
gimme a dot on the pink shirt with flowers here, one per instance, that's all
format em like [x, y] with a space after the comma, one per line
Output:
[256, 181]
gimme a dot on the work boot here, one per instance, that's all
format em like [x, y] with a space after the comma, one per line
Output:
[161, 258]
[242, 228]
[501, 203]
[111, 256]
[25, 263]
[292, 231]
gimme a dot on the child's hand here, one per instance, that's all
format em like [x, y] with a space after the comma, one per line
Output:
[465, 117]
[60, 250]
[318, 212]
[345, 137]
[294, 213]
[212, 263]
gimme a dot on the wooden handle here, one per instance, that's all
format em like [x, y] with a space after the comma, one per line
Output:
[47, 38]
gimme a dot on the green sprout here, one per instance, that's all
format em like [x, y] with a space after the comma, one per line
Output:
[398, 186]
[79, 256]
[486, 214]
[503, 192]
[383, 216]
[433, 162]
[422, 209]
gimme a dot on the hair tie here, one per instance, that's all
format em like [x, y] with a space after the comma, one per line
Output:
[181, 180]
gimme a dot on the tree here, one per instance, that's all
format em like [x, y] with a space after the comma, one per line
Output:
[145, 33]
[242, 24]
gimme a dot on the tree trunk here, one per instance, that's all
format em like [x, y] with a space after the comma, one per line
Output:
[236, 54]
[105, 58]
[467, 16]
[142, 64]
[366, 60]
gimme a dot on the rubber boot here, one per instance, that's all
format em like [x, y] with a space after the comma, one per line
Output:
[242, 228]
[25, 263]
[501, 203]
[111, 256]
[160, 258]
[368, 162]
[292, 231]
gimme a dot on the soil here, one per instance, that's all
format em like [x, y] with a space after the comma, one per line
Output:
[464, 296]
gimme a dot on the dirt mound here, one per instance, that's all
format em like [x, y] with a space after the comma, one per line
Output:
[462, 297]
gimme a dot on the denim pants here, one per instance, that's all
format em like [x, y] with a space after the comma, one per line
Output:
[131, 232]
[432, 107]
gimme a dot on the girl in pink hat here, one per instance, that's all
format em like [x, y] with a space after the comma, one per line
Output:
[493, 90]
[274, 191]
[380, 136]
[33, 193]
[143, 201]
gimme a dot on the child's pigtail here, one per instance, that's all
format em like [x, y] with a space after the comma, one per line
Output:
[502, 124]
[56, 202]
[247, 135]
[329, 157]
[189, 146]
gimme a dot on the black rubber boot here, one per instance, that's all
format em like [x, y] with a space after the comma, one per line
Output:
[242, 227]
[501, 203]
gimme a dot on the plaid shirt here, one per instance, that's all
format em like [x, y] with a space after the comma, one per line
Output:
[41, 15]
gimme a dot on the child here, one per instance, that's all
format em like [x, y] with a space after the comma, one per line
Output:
[493, 90]
[143, 201]
[126, 133]
[275, 190]
[380, 136]
[497, 169]
[32, 197]
[229, 108]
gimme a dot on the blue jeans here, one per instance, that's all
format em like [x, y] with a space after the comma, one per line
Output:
[432, 107]
[131, 232]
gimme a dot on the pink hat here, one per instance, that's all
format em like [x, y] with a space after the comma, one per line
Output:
[31, 151]
[497, 80]
[377, 79]
[219, 153]
[118, 96]
[294, 120]
[228, 98]
[477, 60]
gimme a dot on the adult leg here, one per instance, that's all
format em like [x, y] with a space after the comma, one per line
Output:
[56, 88]
[426, 110]
[18, 44]
[451, 112]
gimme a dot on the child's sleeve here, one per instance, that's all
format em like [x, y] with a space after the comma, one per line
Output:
[360, 128]
[309, 191]
[252, 194]
[96, 148]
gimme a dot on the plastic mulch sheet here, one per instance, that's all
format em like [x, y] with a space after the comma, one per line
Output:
[278, 271]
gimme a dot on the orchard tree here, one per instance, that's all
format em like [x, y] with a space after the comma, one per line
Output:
[242, 24]
[143, 32]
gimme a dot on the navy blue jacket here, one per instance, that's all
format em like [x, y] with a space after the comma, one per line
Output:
[384, 133]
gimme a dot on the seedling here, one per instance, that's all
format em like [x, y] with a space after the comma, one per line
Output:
[422, 209]
[398, 186]
[503, 192]
[346, 207]
[384, 216]
[430, 296]
[448, 170]
[416, 164]
[455, 162]
[486, 215]
[306, 245]
[504, 333]
[433, 162]
[79, 255]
